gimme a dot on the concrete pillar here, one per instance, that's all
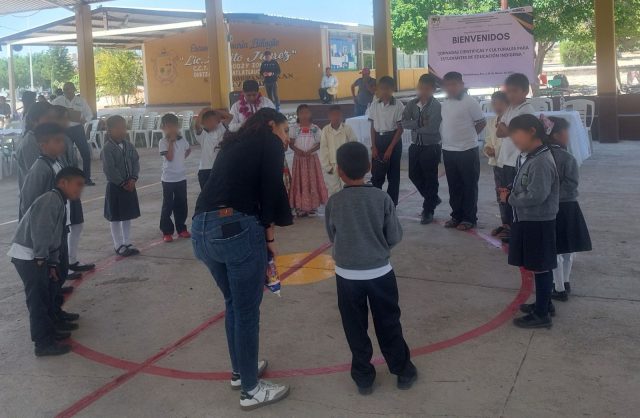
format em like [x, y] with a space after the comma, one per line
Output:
[608, 126]
[86, 66]
[219, 61]
[382, 37]
[13, 98]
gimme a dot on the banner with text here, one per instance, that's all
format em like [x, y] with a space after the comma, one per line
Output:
[485, 48]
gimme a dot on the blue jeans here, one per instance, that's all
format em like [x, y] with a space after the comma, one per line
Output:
[234, 249]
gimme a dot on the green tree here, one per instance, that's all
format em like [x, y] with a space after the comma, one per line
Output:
[118, 72]
[56, 67]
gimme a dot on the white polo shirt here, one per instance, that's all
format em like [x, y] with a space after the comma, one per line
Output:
[209, 144]
[458, 127]
[385, 117]
[78, 104]
[508, 154]
[174, 171]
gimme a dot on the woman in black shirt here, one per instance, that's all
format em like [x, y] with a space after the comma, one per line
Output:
[232, 232]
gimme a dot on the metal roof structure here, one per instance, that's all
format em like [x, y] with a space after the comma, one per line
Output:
[18, 6]
[118, 27]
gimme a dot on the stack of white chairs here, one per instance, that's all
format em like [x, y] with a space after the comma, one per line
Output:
[185, 128]
[586, 109]
[541, 104]
[96, 137]
[156, 129]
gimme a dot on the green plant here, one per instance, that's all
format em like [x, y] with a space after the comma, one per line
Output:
[577, 53]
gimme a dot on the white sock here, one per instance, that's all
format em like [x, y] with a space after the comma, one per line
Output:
[74, 242]
[567, 265]
[558, 275]
[116, 234]
[126, 232]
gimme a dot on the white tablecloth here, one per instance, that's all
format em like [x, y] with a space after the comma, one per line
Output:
[579, 137]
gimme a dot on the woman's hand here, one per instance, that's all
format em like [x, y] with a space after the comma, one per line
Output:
[271, 246]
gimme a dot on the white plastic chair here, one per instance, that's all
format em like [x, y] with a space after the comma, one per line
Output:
[486, 105]
[587, 110]
[137, 129]
[96, 137]
[185, 127]
[541, 104]
[148, 121]
[155, 130]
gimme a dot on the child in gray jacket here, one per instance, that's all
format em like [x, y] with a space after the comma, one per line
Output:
[362, 225]
[534, 197]
[35, 253]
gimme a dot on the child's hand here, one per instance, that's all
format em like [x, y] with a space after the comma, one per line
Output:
[490, 151]
[504, 194]
[387, 154]
[374, 153]
[53, 274]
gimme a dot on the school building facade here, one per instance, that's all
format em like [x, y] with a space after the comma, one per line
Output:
[176, 67]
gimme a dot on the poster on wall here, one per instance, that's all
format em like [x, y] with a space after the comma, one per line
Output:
[344, 52]
[485, 48]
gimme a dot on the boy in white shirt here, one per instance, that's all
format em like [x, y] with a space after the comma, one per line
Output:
[462, 121]
[334, 134]
[249, 103]
[174, 149]
[385, 114]
[209, 133]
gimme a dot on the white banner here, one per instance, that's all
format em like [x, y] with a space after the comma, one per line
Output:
[485, 48]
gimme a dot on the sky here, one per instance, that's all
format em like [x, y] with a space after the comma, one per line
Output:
[345, 11]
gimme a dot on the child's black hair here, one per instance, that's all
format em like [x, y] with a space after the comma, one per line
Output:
[353, 160]
[250, 86]
[429, 80]
[68, 173]
[526, 123]
[500, 96]
[36, 112]
[114, 120]
[299, 109]
[169, 119]
[387, 81]
[209, 114]
[559, 125]
[518, 80]
[46, 130]
[334, 108]
[452, 76]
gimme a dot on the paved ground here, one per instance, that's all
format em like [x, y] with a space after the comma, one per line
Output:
[151, 342]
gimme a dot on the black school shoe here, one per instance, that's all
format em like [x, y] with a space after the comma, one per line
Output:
[533, 321]
[61, 335]
[567, 287]
[529, 308]
[76, 275]
[66, 326]
[406, 382]
[66, 290]
[560, 296]
[365, 391]
[68, 316]
[426, 217]
[452, 223]
[82, 267]
[53, 349]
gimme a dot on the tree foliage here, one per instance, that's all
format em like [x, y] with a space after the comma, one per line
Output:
[50, 68]
[118, 72]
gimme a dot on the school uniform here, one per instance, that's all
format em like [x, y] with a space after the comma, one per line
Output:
[362, 225]
[40, 237]
[74, 207]
[572, 234]
[174, 187]
[330, 140]
[209, 147]
[460, 155]
[502, 175]
[39, 179]
[27, 152]
[424, 119]
[534, 198]
[76, 130]
[385, 118]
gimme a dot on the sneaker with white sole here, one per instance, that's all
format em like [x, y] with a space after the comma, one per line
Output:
[265, 393]
[236, 381]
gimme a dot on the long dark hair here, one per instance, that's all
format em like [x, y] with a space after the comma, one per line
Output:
[526, 123]
[35, 113]
[256, 125]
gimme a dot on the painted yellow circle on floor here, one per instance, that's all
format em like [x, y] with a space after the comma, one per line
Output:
[317, 269]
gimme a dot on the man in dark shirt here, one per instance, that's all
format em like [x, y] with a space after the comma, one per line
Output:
[270, 71]
[366, 91]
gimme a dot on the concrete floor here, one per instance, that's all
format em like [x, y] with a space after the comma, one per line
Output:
[151, 342]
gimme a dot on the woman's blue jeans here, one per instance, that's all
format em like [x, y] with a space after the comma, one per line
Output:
[234, 249]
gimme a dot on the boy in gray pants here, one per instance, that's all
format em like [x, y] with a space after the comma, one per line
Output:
[362, 225]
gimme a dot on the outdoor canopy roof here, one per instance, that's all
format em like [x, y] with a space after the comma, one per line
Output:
[18, 6]
[129, 27]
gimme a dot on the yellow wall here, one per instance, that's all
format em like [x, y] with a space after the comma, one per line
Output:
[176, 67]
[408, 78]
[346, 79]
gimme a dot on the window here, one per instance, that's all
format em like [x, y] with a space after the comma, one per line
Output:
[367, 42]
[368, 60]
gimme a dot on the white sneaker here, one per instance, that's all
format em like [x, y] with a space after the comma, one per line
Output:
[266, 393]
[236, 381]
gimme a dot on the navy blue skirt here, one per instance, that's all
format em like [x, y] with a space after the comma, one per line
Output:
[120, 205]
[572, 234]
[532, 245]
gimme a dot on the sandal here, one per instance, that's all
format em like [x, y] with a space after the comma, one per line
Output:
[131, 250]
[465, 226]
[451, 223]
[122, 251]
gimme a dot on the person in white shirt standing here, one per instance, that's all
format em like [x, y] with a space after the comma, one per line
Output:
[385, 114]
[209, 133]
[250, 102]
[77, 105]
[517, 89]
[174, 149]
[335, 134]
[462, 121]
[328, 86]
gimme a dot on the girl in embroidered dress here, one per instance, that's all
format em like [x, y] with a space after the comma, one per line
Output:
[308, 190]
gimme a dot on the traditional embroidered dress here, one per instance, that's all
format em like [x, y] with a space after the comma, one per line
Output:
[308, 190]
